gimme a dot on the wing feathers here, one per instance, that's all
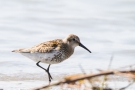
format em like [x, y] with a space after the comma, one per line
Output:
[44, 47]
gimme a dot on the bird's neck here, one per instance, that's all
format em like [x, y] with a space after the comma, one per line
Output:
[69, 51]
[69, 48]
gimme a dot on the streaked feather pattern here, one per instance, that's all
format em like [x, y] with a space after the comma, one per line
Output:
[44, 47]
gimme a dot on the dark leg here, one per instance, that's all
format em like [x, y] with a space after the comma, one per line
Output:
[47, 70]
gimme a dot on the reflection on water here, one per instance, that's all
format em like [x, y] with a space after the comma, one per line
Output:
[105, 27]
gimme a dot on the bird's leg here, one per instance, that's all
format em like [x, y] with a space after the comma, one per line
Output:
[47, 70]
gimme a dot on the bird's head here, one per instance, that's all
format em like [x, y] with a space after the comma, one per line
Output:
[73, 41]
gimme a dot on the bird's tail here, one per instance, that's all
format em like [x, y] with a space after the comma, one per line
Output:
[19, 50]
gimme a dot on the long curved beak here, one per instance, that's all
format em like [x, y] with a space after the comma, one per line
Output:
[81, 45]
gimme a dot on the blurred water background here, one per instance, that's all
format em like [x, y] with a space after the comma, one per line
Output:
[106, 27]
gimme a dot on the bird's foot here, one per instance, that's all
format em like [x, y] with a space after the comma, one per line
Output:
[49, 76]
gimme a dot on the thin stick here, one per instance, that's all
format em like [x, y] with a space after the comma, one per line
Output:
[111, 59]
[82, 69]
[105, 77]
[127, 85]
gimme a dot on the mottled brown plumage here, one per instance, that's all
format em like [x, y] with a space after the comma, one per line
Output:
[45, 47]
[52, 52]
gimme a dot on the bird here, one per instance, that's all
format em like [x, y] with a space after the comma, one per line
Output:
[52, 52]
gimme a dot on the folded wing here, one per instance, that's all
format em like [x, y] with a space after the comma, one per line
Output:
[44, 47]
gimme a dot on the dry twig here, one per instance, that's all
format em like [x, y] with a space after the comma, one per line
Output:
[89, 76]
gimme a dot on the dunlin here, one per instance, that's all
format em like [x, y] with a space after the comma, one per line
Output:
[52, 52]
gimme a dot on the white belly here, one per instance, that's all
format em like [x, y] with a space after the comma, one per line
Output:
[45, 57]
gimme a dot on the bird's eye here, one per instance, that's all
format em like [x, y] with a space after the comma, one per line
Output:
[73, 39]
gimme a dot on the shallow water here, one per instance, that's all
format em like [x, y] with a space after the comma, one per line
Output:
[105, 27]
